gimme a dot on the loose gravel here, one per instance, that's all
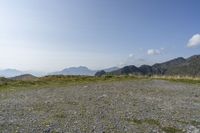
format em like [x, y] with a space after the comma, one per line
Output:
[138, 106]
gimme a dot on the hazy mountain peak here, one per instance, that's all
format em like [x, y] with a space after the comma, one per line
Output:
[80, 70]
[10, 72]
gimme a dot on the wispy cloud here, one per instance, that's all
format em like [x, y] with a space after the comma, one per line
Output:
[194, 41]
[153, 51]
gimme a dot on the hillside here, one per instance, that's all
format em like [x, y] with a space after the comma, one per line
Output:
[190, 66]
[127, 70]
[178, 66]
[25, 77]
[81, 70]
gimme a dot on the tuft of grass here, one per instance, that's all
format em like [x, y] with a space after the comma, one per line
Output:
[184, 79]
[171, 130]
[61, 115]
[134, 121]
[148, 121]
[152, 122]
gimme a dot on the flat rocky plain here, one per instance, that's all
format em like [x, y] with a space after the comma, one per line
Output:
[134, 106]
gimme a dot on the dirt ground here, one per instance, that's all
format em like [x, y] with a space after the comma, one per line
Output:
[138, 106]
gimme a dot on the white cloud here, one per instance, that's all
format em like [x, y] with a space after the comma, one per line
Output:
[130, 55]
[153, 52]
[162, 48]
[194, 41]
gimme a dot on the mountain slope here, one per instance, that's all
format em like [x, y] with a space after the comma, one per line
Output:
[25, 77]
[163, 68]
[146, 69]
[127, 70]
[191, 67]
[177, 66]
[75, 71]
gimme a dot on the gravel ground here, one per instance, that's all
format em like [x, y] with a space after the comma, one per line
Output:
[140, 106]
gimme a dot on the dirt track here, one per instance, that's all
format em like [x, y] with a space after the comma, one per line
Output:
[128, 106]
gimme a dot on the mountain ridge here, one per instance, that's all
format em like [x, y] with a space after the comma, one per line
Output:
[81, 70]
[178, 66]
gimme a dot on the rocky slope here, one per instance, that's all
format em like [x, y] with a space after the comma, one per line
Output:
[179, 66]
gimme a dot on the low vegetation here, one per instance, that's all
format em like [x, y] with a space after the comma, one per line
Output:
[61, 80]
[58, 80]
[184, 79]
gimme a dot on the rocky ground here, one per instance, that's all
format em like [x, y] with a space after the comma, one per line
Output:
[140, 106]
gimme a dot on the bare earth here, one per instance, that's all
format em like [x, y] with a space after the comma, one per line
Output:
[138, 106]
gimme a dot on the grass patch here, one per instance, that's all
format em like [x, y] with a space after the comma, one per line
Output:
[184, 79]
[147, 121]
[61, 115]
[59, 81]
[154, 122]
[195, 123]
[134, 121]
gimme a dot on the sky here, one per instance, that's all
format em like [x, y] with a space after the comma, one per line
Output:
[49, 35]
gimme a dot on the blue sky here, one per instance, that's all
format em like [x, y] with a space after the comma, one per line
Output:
[49, 35]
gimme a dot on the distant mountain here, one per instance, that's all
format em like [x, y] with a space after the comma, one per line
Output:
[190, 67]
[146, 69]
[127, 70]
[10, 73]
[24, 77]
[111, 69]
[81, 70]
[35, 73]
[100, 73]
[14, 72]
[179, 66]
[75, 71]
[104, 71]
[164, 68]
